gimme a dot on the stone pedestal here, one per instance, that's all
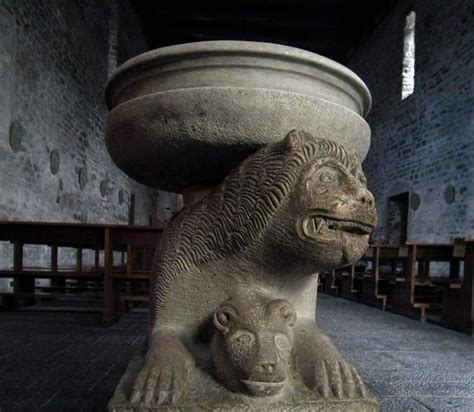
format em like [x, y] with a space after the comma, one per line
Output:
[266, 143]
[206, 393]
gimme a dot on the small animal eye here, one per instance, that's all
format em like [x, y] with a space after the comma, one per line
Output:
[243, 338]
[282, 342]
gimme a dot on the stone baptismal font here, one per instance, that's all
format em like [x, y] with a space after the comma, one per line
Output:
[266, 142]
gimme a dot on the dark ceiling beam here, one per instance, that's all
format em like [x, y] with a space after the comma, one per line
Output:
[332, 28]
[257, 34]
[323, 6]
[314, 14]
[300, 23]
[237, 28]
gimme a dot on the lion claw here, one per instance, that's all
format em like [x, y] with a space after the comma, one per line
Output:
[163, 378]
[339, 379]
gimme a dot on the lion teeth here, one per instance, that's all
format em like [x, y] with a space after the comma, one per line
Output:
[319, 224]
[312, 226]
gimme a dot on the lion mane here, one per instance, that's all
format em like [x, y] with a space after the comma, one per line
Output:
[239, 209]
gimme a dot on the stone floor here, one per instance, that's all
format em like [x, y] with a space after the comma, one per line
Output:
[69, 361]
[411, 366]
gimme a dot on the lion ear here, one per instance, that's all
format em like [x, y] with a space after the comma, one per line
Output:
[294, 139]
[291, 140]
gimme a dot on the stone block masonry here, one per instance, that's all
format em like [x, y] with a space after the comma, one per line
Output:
[54, 164]
[423, 144]
[55, 58]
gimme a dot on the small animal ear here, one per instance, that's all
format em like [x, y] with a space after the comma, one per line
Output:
[223, 317]
[288, 314]
[284, 309]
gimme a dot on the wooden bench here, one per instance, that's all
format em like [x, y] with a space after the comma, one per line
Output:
[382, 264]
[350, 283]
[458, 297]
[416, 291]
[129, 240]
[401, 279]
[331, 283]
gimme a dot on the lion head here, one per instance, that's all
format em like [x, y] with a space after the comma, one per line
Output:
[323, 213]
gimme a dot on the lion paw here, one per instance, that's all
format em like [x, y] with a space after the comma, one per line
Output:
[338, 379]
[163, 378]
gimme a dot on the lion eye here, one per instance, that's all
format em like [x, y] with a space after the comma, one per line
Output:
[326, 178]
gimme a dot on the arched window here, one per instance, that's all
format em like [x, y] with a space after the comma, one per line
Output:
[408, 69]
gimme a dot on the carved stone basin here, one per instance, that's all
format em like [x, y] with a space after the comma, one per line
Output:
[186, 114]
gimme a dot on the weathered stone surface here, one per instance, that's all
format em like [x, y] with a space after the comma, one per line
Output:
[205, 394]
[235, 279]
[252, 345]
[187, 114]
[235, 286]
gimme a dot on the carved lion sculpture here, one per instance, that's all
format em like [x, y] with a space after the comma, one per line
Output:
[287, 212]
[254, 340]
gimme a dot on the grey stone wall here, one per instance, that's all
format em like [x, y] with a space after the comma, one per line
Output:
[423, 144]
[55, 58]
[54, 164]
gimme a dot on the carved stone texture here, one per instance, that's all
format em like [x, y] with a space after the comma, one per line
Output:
[235, 287]
[187, 114]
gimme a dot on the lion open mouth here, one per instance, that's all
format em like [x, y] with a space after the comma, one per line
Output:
[313, 225]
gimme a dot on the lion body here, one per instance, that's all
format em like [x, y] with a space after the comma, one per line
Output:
[218, 245]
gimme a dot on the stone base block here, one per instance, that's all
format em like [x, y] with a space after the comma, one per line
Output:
[206, 394]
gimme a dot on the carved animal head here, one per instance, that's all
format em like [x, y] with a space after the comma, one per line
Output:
[325, 213]
[299, 206]
[252, 345]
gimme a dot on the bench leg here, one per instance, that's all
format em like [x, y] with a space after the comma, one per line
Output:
[21, 284]
[111, 300]
[111, 288]
[58, 284]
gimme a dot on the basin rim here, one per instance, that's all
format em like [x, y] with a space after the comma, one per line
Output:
[140, 64]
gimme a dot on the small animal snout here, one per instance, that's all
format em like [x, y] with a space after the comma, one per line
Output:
[266, 360]
[266, 367]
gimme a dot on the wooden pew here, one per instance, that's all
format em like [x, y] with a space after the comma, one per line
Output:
[458, 298]
[331, 283]
[321, 277]
[133, 239]
[376, 280]
[349, 283]
[24, 289]
[109, 238]
[417, 291]
[401, 279]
